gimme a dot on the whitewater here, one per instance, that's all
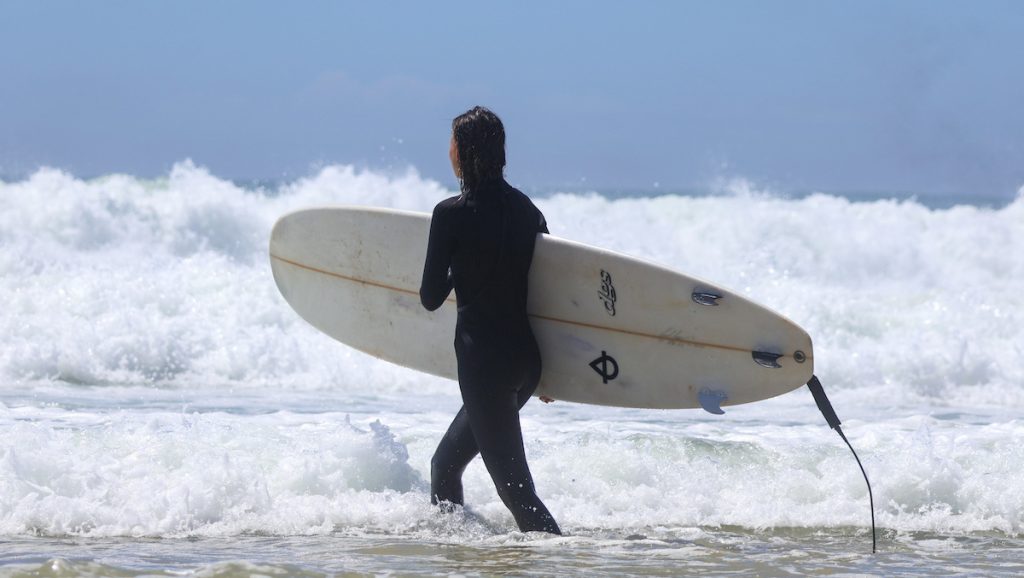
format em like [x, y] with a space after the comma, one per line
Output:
[163, 410]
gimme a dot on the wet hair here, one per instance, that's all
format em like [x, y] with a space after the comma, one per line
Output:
[480, 142]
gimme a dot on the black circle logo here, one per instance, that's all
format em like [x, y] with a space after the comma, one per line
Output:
[606, 367]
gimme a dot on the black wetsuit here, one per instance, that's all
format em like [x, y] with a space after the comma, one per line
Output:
[482, 245]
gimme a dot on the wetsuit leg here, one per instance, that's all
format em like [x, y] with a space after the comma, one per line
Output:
[453, 454]
[496, 381]
[457, 448]
[494, 418]
[494, 386]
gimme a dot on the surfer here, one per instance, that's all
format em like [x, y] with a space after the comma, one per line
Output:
[481, 244]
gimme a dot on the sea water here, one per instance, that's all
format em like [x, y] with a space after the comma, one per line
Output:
[164, 412]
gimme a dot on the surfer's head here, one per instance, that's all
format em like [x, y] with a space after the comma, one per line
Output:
[478, 147]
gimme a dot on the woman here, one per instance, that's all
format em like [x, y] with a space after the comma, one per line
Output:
[481, 244]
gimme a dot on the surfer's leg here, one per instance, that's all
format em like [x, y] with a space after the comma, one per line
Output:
[453, 454]
[494, 418]
[456, 449]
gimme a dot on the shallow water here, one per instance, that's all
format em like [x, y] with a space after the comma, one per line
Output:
[705, 551]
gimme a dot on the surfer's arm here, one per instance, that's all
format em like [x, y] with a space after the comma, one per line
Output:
[437, 278]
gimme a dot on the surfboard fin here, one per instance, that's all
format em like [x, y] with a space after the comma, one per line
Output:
[711, 400]
[705, 298]
[766, 359]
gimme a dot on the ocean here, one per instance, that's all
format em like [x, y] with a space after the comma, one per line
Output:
[164, 412]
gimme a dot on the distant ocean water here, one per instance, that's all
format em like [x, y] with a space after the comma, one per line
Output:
[163, 411]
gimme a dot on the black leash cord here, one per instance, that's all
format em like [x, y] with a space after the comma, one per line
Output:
[833, 421]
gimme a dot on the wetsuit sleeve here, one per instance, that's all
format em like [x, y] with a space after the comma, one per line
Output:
[543, 228]
[437, 279]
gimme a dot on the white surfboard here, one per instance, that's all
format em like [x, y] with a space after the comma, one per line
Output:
[612, 329]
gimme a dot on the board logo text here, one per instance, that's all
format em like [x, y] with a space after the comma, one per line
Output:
[607, 292]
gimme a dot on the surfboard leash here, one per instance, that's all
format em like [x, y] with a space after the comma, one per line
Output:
[833, 422]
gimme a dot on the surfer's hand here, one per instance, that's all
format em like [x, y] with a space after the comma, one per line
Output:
[546, 399]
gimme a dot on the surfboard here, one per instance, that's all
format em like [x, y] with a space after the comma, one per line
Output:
[612, 329]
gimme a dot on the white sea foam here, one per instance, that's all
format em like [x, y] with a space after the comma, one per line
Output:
[216, 474]
[127, 301]
[167, 474]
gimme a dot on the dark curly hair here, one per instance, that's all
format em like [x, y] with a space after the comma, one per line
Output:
[480, 142]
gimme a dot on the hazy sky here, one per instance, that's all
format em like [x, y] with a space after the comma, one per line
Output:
[923, 96]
